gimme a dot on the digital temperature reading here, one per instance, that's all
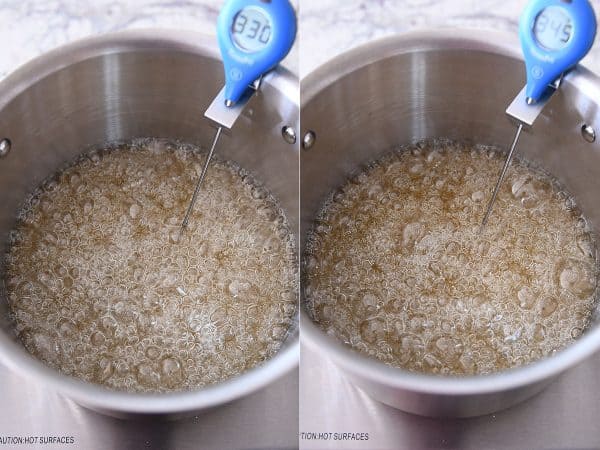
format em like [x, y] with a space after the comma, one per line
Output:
[251, 30]
[555, 35]
[254, 36]
[553, 28]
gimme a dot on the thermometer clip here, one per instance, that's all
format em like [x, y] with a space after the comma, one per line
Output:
[225, 115]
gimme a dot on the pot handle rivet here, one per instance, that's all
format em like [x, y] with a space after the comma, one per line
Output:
[5, 145]
[309, 140]
[289, 134]
[588, 133]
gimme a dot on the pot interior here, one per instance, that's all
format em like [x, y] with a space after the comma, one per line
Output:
[85, 96]
[363, 106]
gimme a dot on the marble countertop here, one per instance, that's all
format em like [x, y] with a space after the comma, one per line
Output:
[326, 27]
[330, 27]
[32, 27]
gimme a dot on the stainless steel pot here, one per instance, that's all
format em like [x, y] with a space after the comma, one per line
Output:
[442, 84]
[135, 84]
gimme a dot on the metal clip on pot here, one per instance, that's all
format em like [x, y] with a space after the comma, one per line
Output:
[224, 113]
[254, 36]
[551, 49]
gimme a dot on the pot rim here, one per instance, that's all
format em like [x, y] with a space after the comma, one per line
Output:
[497, 42]
[95, 396]
[372, 369]
[141, 40]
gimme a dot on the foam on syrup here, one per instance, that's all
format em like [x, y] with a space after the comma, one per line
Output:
[103, 286]
[396, 266]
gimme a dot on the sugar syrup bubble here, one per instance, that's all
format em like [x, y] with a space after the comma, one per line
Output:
[104, 286]
[417, 285]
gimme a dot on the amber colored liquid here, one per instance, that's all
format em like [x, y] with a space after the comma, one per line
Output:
[103, 286]
[397, 268]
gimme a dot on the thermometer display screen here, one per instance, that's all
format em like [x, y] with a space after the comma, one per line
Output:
[251, 30]
[553, 28]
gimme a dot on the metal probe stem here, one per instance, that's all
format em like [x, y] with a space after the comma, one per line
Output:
[186, 219]
[501, 179]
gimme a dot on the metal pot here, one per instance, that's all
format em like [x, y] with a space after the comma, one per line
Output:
[121, 86]
[455, 85]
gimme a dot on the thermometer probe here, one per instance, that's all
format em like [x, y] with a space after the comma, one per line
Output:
[555, 35]
[254, 36]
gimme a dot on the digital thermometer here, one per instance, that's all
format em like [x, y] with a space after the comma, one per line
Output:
[254, 36]
[555, 35]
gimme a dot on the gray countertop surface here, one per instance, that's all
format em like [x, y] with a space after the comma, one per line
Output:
[566, 415]
[267, 419]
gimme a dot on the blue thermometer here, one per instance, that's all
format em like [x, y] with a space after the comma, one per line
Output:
[555, 35]
[254, 36]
